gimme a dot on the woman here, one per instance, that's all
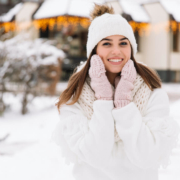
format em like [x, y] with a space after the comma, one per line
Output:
[114, 116]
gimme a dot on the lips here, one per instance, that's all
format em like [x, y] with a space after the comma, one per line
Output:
[115, 60]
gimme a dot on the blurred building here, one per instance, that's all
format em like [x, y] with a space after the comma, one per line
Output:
[6, 5]
[16, 15]
[67, 23]
[161, 48]
[24, 21]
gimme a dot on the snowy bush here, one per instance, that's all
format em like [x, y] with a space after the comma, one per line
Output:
[29, 65]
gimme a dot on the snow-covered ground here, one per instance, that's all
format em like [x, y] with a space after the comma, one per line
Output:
[27, 153]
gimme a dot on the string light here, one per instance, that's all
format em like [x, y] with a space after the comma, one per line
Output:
[65, 21]
[8, 26]
[61, 21]
[141, 28]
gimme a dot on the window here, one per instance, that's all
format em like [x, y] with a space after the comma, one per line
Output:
[136, 34]
[44, 33]
[176, 40]
[167, 75]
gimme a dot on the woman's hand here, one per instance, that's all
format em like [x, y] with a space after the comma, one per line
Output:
[124, 85]
[99, 81]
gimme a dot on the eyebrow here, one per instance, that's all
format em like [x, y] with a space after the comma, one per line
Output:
[105, 39]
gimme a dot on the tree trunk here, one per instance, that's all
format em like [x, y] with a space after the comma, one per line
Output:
[25, 100]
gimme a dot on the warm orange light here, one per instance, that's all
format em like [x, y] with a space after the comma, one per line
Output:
[8, 26]
[61, 21]
[65, 21]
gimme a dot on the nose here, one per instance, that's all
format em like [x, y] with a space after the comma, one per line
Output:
[116, 50]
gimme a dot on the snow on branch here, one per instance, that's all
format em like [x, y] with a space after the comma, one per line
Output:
[29, 64]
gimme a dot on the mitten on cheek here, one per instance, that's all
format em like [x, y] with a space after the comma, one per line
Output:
[99, 81]
[125, 85]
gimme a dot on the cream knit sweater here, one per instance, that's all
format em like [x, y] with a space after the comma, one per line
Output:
[140, 94]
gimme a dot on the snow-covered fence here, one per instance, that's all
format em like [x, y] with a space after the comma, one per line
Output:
[28, 66]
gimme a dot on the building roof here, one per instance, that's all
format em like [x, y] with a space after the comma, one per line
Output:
[82, 8]
[54, 8]
[11, 13]
[135, 10]
[172, 7]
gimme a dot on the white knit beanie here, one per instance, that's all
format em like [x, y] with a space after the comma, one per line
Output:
[108, 25]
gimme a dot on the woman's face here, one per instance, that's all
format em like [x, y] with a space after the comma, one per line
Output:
[114, 51]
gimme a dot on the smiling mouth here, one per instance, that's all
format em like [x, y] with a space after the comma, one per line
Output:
[115, 60]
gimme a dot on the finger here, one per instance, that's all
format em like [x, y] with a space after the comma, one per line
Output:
[97, 65]
[96, 60]
[129, 65]
[126, 66]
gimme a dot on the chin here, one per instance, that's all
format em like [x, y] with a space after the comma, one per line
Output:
[115, 70]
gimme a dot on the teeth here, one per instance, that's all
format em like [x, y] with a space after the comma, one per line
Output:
[115, 60]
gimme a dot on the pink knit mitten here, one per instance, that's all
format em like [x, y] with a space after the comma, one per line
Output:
[123, 89]
[99, 81]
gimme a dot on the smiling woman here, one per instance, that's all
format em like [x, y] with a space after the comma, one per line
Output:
[114, 116]
[114, 51]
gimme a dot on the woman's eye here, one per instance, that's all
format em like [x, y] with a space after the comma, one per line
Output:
[105, 44]
[124, 43]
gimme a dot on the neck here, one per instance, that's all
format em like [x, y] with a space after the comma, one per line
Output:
[111, 77]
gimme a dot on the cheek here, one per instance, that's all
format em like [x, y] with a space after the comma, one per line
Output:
[128, 53]
[101, 52]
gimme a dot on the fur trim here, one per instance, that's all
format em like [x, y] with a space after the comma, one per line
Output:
[100, 10]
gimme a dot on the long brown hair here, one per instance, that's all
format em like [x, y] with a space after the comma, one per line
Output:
[77, 80]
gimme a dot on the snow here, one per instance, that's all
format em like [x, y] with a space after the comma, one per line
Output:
[173, 90]
[28, 152]
[54, 8]
[11, 13]
[23, 57]
[172, 7]
[21, 47]
[82, 8]
[52, 60]
[134, 9]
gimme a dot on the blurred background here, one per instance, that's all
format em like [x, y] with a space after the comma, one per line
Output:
[41, 42]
